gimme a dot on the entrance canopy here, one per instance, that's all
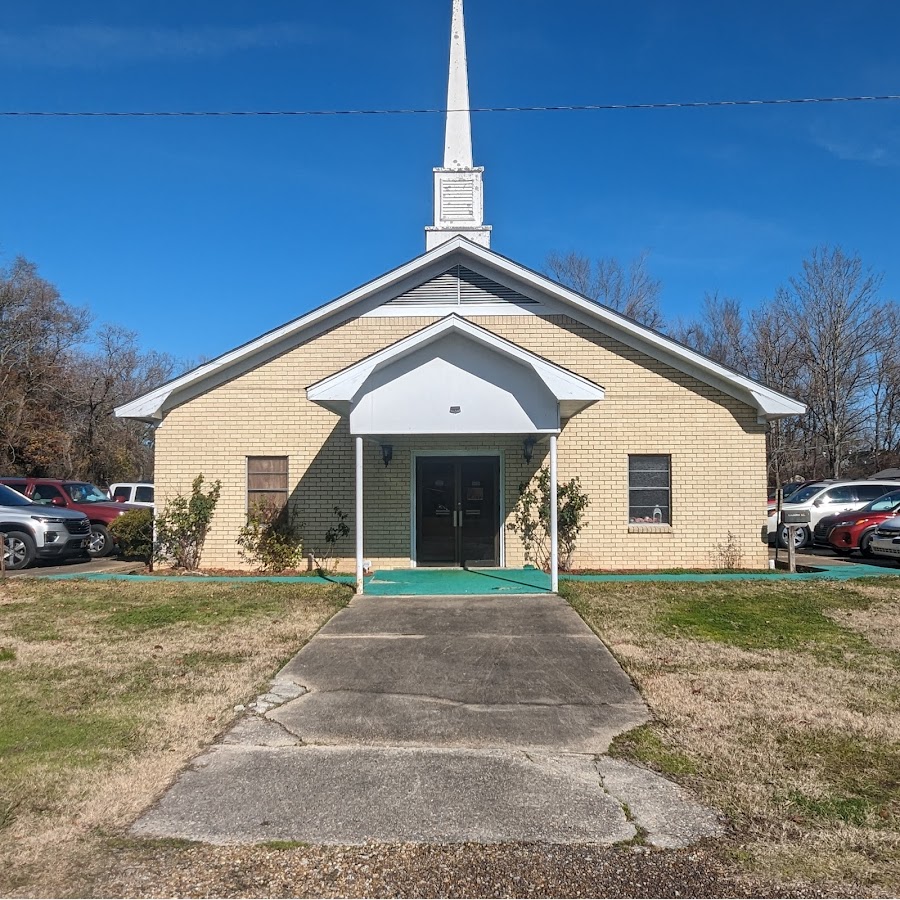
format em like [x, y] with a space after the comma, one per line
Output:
[454, 377]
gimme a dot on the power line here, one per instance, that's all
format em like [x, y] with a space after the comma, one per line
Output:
[595, 107]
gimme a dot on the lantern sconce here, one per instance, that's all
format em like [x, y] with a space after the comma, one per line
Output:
[387, 453]
[528, 448]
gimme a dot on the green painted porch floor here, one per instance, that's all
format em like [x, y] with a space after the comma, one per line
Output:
[424, 582]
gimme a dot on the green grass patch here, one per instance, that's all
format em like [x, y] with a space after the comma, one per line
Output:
[7, 654]
[644, 745]
[762, 619]
[854, 768]
[219, 607]
[849, 810]
[134, 669]
[75, 739]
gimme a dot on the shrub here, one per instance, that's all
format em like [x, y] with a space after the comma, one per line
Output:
[531, 519]
[269, 541]
[182, 528]
[730, 554]
[336, 532]
[133, 532]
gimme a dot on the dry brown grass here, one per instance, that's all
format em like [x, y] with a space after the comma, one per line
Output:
[780, 705]
[112, 688]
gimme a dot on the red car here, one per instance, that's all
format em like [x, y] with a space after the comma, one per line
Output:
[855, 530]
[81, 497]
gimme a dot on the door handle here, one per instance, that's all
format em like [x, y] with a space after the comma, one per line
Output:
[454, 519]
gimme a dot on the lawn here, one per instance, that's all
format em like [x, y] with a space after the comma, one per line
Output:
[777, 703]
[780, 705]
[107, 690]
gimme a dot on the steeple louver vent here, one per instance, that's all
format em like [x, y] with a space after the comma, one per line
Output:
[460, 286]
[459, 183]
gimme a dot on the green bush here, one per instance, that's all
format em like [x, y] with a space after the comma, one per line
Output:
[531, 519]
[270, 541]
[133, 532]
[182, 528]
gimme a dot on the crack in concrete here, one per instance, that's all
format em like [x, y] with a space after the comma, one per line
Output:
[447, 701]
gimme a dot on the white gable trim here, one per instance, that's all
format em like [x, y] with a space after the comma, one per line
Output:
[770, 404]
[572, 392]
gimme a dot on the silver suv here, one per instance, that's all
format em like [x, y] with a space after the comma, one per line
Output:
[33, 531]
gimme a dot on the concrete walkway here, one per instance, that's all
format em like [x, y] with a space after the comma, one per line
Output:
[436, 720]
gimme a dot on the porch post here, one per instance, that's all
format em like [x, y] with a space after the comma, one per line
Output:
[554, 517]
[359, 515]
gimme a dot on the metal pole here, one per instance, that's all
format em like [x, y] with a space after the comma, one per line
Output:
[554, 520]
[2, 555]
[359, 516]
[779, 500]
[792, 550]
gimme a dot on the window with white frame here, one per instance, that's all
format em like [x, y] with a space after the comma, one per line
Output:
[650, 489]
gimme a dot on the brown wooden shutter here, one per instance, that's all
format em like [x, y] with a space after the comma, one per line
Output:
[267, 482]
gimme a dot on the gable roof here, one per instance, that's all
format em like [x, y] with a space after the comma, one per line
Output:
[153, 405]
[574, 393]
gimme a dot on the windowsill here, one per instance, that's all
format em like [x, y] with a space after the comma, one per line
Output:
[648, 528]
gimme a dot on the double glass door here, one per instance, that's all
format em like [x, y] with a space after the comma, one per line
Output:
[458, 511]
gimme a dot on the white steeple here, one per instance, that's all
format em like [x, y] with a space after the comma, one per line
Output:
[459, 185]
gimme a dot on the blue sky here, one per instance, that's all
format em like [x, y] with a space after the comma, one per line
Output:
[202, 233]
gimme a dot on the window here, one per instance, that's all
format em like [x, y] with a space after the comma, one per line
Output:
[267, 482]
[10, 497]
[843, 494]
[123, 492]
[46, 493]
[885, 503]
[143, 494]
[85, 493]
[869, 492]
[649, 490]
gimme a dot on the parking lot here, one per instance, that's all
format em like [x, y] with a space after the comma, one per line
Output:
[817, 556]
[79, 566]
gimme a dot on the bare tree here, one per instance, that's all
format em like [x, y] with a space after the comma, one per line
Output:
[38, 333]
[109, 372]
[632, 291]
[719, 332]
[772, 353]
[885, 391]
[59, 384]
[839, 318]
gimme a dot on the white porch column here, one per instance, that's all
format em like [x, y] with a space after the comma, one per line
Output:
[359, 515]
[554, 517]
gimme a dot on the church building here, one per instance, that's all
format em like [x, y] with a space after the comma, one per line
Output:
[419, 403]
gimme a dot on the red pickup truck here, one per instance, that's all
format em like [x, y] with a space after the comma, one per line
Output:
[80, 497]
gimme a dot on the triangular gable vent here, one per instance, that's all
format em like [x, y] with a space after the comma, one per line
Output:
[460, 286]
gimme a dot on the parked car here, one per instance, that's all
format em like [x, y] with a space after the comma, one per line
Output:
[81, 497]
[823, 500]
[140, 493]
[791, 488]
[886, 541]
[845, 532]
[33, 532]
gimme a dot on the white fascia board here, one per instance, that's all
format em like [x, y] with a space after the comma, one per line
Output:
[153, 405]
[339, 389]
[770, 403]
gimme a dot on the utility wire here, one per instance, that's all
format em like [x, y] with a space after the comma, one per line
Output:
[690, 104]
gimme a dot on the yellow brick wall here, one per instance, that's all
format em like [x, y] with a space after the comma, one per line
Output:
[716, 445]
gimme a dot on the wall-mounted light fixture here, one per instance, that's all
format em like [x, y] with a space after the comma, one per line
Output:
[387, 453]
[528, 448]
